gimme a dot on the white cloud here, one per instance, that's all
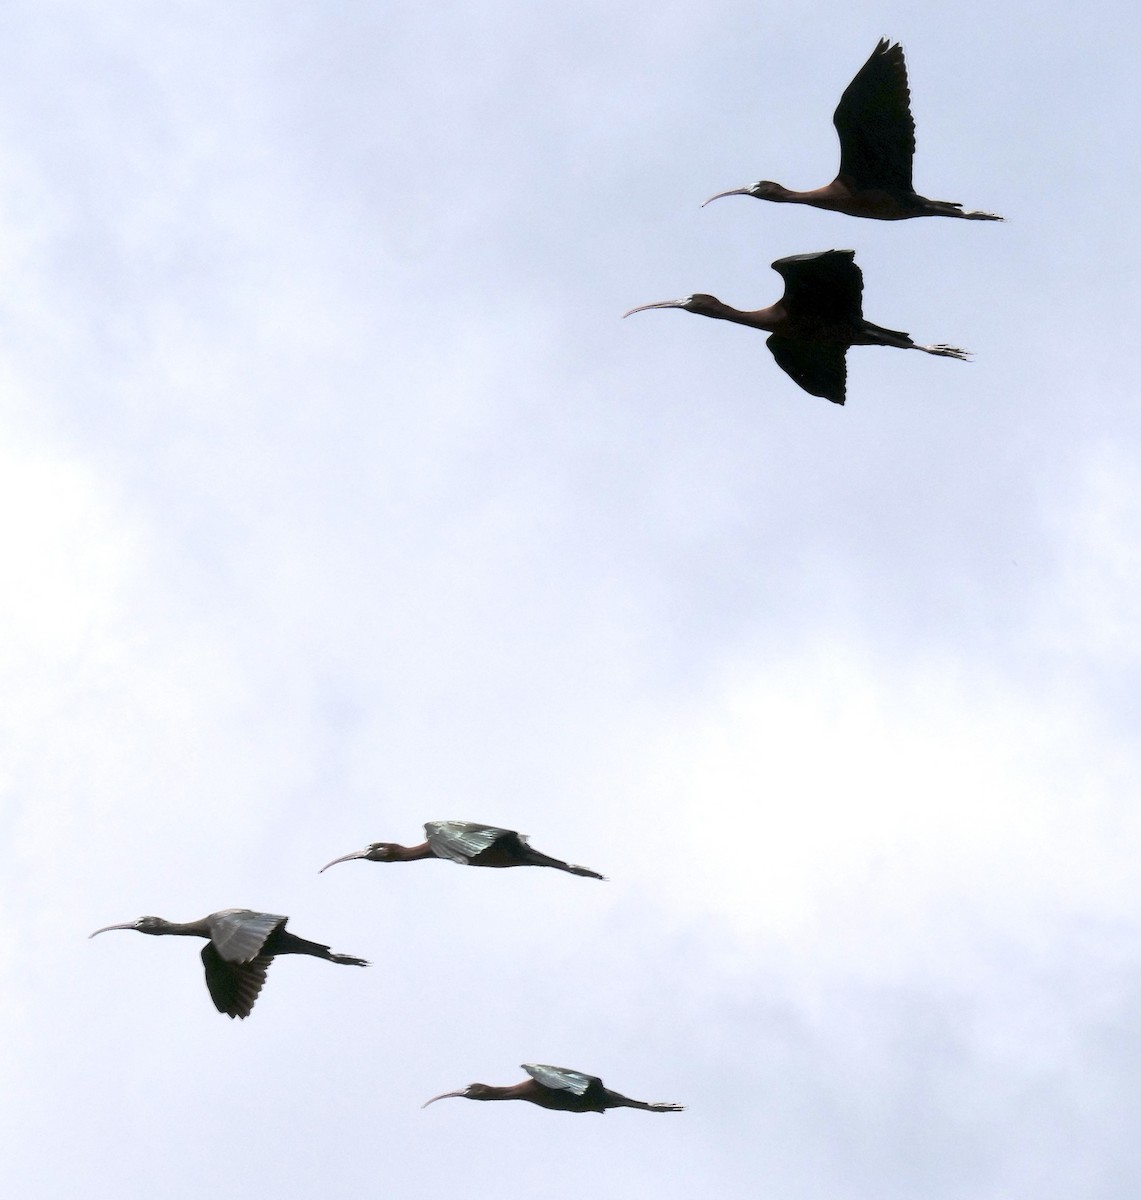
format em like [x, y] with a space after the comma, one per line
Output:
[1099, 560]
[841, 804]
[63, 559]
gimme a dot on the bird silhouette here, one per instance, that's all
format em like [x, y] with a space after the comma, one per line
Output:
[877, 145]
[467, 843]
[239, 948]
[557, 1088]
[812, 325]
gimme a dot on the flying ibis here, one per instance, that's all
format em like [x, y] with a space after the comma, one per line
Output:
[240, 946]
[812, 325]
[557, 1088]
[472, 845]
[877, 144]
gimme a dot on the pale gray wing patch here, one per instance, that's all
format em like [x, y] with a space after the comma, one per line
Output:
[561, 1079]
[461, 841]
[239, 934]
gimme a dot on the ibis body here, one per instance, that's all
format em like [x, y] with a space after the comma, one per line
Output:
[240, 945]
[470, 844]
[877, 146]
[557, 1088]
[812, 325]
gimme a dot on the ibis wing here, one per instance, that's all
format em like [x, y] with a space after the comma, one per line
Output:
[819, 368]
[233, 986]
[825, 288]
[239, 934]
[560, 1079]
[873, 119]
[461, 841]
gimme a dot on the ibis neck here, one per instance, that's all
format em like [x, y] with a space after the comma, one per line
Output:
[514, 1091]
[188, 928]
[763, 318]
[779, 194]
[412, 853]
[834, 196]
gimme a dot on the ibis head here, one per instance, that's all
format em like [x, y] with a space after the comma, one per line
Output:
[473, 1091]
[697, 303]
[143, 925]
[377, 852]
[763, 189]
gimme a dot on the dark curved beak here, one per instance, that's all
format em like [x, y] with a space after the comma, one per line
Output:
[128, 925]
[734, 192]
[660, 304]
[443, 1096]
[344, 858]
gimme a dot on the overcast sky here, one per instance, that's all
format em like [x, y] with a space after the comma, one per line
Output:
[337, 497]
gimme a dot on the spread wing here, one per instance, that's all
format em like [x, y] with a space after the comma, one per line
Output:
[234, 986]
[819, 368]
[239, 934]
[873, 119]
[461, 841]
[560, 1079]
[825, 287]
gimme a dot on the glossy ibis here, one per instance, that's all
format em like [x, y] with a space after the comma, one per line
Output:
[240, 946]
[812, 325]
[877, 144]
[472, 845]
[557, 1088]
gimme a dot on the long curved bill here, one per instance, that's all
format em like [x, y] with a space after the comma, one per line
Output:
[659, 304]
[128, 925]
[442, 1096]
[344, 858]
[733, 192]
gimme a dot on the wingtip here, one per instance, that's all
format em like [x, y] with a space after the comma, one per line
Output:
[584, 872]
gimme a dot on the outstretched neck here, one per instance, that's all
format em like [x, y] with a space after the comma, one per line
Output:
[187, 928]
[762, 318]
[514, 1091]
[779, 194]
[412, 853]
[842, 195]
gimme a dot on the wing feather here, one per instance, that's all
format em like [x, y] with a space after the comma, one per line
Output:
[234, 986]
[461, 841]
[875, 125]
[560, 1079]
[826, 286]
[821, 369]
[239, 934]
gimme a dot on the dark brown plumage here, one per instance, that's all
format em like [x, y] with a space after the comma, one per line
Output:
[877, 146]
[470, 844]
[812, 325]
[240, 946]
[557, 1088]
